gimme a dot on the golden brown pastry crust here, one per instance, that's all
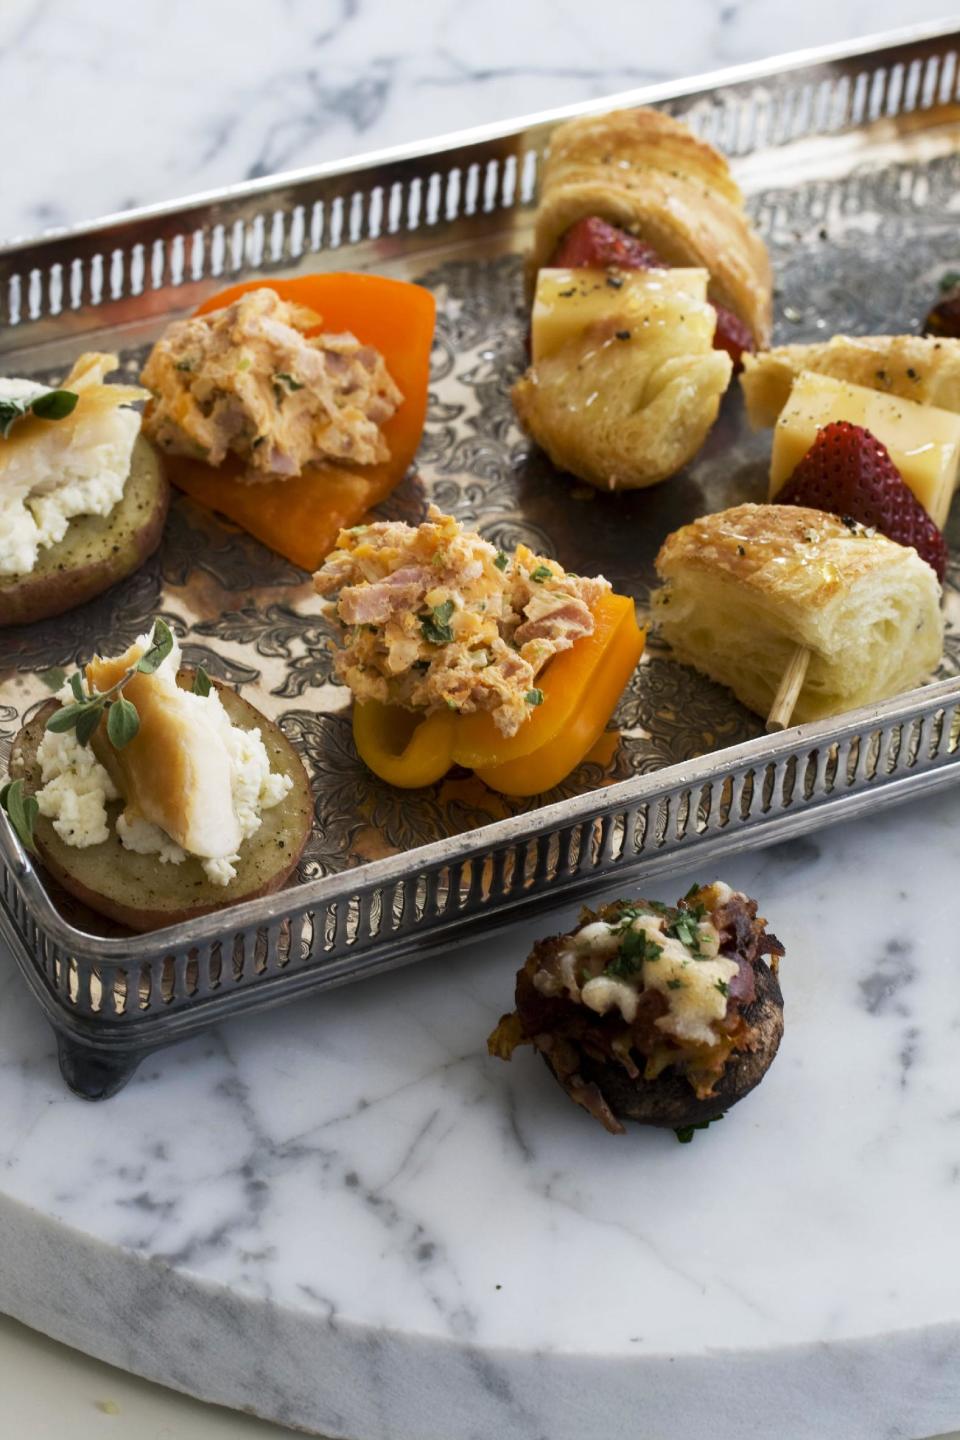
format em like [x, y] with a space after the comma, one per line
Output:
[745, 587]
[777, 551]
[648, 173]
[913, 367]
[631, 400]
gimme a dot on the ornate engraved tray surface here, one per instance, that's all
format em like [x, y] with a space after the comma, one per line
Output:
[860, 251]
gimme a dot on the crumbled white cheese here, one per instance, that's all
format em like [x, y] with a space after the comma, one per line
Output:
[75, 789]
[79, 786]
[38, 503]
[694, 985]
[143, 838]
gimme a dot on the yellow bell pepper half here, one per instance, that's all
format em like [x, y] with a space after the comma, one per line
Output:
[581, 687]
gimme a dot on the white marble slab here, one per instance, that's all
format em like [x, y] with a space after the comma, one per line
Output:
[346, 1217]
[116, 104]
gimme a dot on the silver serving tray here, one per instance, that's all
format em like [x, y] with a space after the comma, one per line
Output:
[849, 159]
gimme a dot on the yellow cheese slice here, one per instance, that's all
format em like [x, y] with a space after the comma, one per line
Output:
[923, 441]
[568, 302]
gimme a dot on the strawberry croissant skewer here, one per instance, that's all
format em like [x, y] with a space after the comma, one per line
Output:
[848, 472]
[803, 613]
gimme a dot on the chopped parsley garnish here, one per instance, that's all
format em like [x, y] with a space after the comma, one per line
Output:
[695, 889]
[288, 380]
[501, 560]
[636, 948]
[675, 985]
[685, 1132]
[435, 627]
[534, 697]
[723, 987]
[685, 927]
[949, 281]
[542, 572]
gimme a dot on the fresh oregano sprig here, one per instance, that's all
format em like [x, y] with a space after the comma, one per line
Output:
[89, 706]
[23, 811]
[49, 405]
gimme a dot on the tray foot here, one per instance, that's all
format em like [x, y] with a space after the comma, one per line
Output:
[91, 1074]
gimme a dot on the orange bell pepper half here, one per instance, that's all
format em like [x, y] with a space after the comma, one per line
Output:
[581, 687]
[301, 517]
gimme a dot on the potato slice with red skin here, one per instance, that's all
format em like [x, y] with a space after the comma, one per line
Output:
[97, 550]
[137, 890]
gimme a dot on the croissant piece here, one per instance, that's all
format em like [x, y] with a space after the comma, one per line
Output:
[912, 367]
[625, 383]
[744, 588]
[648, 173]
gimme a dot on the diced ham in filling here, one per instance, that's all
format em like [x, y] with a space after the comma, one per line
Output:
[247, 380]
[435, 617]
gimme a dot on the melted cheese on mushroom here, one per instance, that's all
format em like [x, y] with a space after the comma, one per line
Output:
[692, 979]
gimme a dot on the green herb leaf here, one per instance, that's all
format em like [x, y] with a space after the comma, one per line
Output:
[23, 811]
[54, 405]
[123, 722]
[949, 281]
[288, 380]
[534, 697]
[723, 987]
[76, 685]
[685, 1132]
[542, 572]
[501, 560]
[436, 626]
[695, 888]
[66, 718]
[685, 928]
[54, 677]
[161, 643]
[636, 948]
[201, 682]
[88, 722]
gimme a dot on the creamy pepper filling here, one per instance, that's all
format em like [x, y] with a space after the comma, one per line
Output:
[435, 617]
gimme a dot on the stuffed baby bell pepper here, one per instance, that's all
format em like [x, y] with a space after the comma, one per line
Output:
[461, 654]
[294, 407]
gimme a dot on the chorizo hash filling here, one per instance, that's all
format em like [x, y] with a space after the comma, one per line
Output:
[250, 381]
[644, 986]
[436, 617]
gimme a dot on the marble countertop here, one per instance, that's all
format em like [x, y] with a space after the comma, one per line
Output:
[130, 104]
[346, 1216]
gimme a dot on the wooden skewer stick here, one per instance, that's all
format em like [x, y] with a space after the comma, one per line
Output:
[788, 691]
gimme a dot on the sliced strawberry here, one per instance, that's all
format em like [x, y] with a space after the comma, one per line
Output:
[592, 244]
[733, 336]
[848, 472]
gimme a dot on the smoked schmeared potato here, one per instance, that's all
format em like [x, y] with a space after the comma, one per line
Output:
[669, 1101]
[97, 550]
[140, 892]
